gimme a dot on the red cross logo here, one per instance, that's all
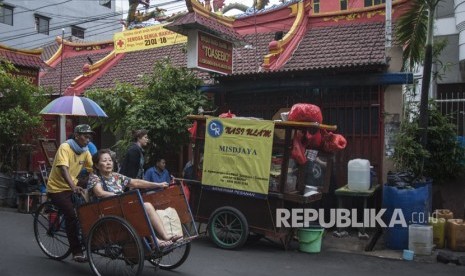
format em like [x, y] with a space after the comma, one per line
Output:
[120, 44]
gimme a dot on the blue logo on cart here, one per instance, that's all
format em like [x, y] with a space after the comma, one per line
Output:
[215, 128]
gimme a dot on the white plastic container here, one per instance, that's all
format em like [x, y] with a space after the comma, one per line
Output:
[420, 239]
[358, 174]
[291, 183]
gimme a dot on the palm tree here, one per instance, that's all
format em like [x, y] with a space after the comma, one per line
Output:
[415, 32]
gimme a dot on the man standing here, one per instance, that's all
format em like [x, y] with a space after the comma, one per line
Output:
[71, 157]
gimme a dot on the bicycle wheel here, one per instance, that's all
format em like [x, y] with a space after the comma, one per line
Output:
[173, 258]
[114, 248]
[49, 231]
[228, 228]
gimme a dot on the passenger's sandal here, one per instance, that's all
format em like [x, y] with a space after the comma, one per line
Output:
[80, 258]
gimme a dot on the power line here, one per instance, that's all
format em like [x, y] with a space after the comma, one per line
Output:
[111, 22]
[41, 41]
[91, 18]
[105, 16]
[85, 20]
[49, 5]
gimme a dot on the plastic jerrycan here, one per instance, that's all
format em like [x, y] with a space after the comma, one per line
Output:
[358, 174]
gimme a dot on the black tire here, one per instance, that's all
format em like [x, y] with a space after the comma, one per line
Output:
[228, 228]
[174, 258]
[49, 231]
[114, 248]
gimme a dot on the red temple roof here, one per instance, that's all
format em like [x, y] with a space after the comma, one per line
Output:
[134, 65]
[332, 41]
[70, 60]
[25, 58]
[340, 46]
[194, 20]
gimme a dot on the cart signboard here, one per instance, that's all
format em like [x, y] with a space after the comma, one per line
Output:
[237, 156]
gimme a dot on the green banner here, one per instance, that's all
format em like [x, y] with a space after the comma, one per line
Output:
[237, 155]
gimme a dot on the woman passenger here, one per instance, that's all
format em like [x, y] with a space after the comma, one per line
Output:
[105, 182]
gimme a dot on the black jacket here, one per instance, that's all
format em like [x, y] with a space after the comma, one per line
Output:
[132, 165]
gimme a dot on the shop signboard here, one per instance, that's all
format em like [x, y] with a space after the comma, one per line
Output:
[146, 38]
[210, 53]
[31, 74]
[237, 156]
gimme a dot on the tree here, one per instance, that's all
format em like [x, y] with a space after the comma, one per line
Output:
[427, 66]
[20, 104]
[414, 30]
[161, 106]
[116, 102]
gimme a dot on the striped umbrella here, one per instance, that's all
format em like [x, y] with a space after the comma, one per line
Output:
[74, 106]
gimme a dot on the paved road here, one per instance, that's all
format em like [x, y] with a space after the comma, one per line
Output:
[20, 256]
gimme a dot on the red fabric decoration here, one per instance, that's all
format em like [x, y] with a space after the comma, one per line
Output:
[298, 148]
[333, 142]
[314, 140]
[227, 115]
[302, 112]
[193, 131]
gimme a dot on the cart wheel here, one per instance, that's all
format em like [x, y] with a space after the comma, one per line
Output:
[228, 228]
[114, 248]
[49, 231]
[174, 258]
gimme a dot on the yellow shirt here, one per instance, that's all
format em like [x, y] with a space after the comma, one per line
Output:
[65, 156]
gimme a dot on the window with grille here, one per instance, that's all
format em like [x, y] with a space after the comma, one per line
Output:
[77, 31]
[343, 5]
[6, 15]
[316, 6]
[105, 3]
[42, 24]
[369, 3]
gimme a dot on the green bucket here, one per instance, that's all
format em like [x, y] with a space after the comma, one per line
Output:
[310, 239]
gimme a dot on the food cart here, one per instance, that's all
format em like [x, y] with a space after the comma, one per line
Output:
[224, 195]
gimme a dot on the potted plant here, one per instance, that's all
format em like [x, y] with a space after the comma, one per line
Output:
[442, 157]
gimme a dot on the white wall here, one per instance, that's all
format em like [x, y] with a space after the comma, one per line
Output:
[101, 23]
[450, 25]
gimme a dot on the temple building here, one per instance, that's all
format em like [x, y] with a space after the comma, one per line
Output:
[340, 57]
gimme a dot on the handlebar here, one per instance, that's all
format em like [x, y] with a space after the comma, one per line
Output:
[177, 181]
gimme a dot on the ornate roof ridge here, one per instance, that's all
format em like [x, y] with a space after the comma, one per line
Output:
[92, 71]
[66, 45]
[254, 12]
[205, 10]
[61, 41]
[281, 50]
[34, 52]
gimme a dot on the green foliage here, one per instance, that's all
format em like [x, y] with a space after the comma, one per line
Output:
[443, 157]
[440, 67]
[20, 104]
[160, 106]
[411, 31]
[116, 102]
